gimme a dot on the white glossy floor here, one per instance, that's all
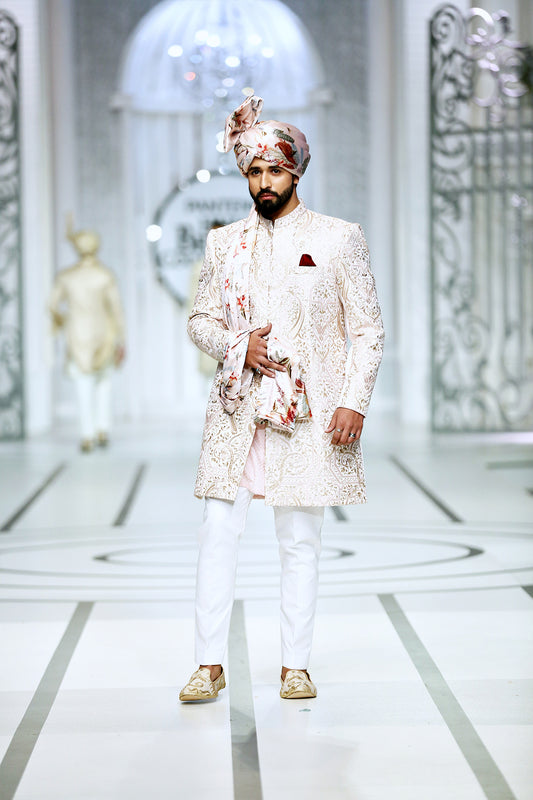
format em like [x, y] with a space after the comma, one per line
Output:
[423, 652]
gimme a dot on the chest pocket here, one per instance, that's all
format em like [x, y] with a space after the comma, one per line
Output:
[301, 281]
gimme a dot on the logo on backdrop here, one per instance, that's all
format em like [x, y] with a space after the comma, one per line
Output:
[183, 220]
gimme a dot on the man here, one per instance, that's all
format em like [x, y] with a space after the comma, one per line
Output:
[280, 297]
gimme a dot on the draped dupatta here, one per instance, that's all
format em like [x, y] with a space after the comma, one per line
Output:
[236, 379]
[283, 397]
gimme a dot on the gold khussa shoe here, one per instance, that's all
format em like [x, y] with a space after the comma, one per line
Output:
[86, 445]
[297, 684]
[201, 687]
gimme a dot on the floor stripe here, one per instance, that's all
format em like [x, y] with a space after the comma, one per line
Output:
[339, 513]
[510, 464]
[528, 590]
[128, 502]
[14, 518]
[245, 757]
[27, 734]
[423, 488]
[478, 757]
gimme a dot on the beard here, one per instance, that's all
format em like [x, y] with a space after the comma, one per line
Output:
[267, 208]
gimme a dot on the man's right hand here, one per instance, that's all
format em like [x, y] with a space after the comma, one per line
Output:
[256, 356]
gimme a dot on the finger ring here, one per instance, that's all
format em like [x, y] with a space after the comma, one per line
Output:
[353, 435]
[339, 430]
[258, 370]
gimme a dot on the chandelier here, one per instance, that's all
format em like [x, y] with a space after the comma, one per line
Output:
[197, 55]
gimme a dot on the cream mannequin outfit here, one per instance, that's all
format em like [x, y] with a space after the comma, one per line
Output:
[308, 275]
[85, 303]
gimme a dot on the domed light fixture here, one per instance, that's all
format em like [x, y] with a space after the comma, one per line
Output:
[203, 52]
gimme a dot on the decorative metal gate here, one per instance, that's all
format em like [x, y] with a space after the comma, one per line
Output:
[481, 223]
[11, 366]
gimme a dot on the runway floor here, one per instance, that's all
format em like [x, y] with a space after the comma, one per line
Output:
[423, 653]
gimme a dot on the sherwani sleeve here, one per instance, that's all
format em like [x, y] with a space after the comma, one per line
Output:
[57, 297]
[206, 325]
[115, 308]
[363, 324]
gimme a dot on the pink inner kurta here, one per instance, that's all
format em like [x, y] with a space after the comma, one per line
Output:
[253, 477]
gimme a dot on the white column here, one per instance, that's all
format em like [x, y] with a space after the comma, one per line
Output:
[132, 372]
[382, 223]
[62, 69]
[62, 72]
[523, 23]
[411, 206]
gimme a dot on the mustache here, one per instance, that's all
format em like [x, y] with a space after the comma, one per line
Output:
[264, 192]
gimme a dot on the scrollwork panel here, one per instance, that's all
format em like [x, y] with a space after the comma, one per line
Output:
[11, 365]
[481, 224]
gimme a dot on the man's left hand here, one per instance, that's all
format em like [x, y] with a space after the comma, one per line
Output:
[347, 426]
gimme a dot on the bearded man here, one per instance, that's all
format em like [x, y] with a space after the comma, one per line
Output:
[281, 296]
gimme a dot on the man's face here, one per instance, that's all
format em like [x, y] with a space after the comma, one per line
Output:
[271, 187]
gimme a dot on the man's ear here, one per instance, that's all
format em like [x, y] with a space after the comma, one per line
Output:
[295, 180]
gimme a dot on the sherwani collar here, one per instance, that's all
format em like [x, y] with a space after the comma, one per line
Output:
[282, 222]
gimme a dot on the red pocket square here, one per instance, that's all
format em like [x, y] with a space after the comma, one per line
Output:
[307, 261]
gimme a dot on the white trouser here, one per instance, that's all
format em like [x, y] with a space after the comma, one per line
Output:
[94, 400]
[298, 532]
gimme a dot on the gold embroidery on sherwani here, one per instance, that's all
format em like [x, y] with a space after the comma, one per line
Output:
[318, 309]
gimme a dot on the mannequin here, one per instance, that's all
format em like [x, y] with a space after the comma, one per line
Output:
[85, 304]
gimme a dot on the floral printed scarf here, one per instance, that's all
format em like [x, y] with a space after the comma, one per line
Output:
[236, 380]
[283, 398]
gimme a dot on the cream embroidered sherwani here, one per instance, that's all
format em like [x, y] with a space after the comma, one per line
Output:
[318, 310]
[93, 320]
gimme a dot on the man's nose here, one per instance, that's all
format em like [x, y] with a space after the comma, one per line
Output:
[265, 181]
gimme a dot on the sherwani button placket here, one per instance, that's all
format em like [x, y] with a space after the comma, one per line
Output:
[298, 529]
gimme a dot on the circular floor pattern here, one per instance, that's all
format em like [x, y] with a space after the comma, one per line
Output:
[138, 566]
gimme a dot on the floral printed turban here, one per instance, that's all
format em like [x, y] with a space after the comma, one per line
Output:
[275, 142]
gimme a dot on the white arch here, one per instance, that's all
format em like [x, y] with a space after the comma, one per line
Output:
[178, 37]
